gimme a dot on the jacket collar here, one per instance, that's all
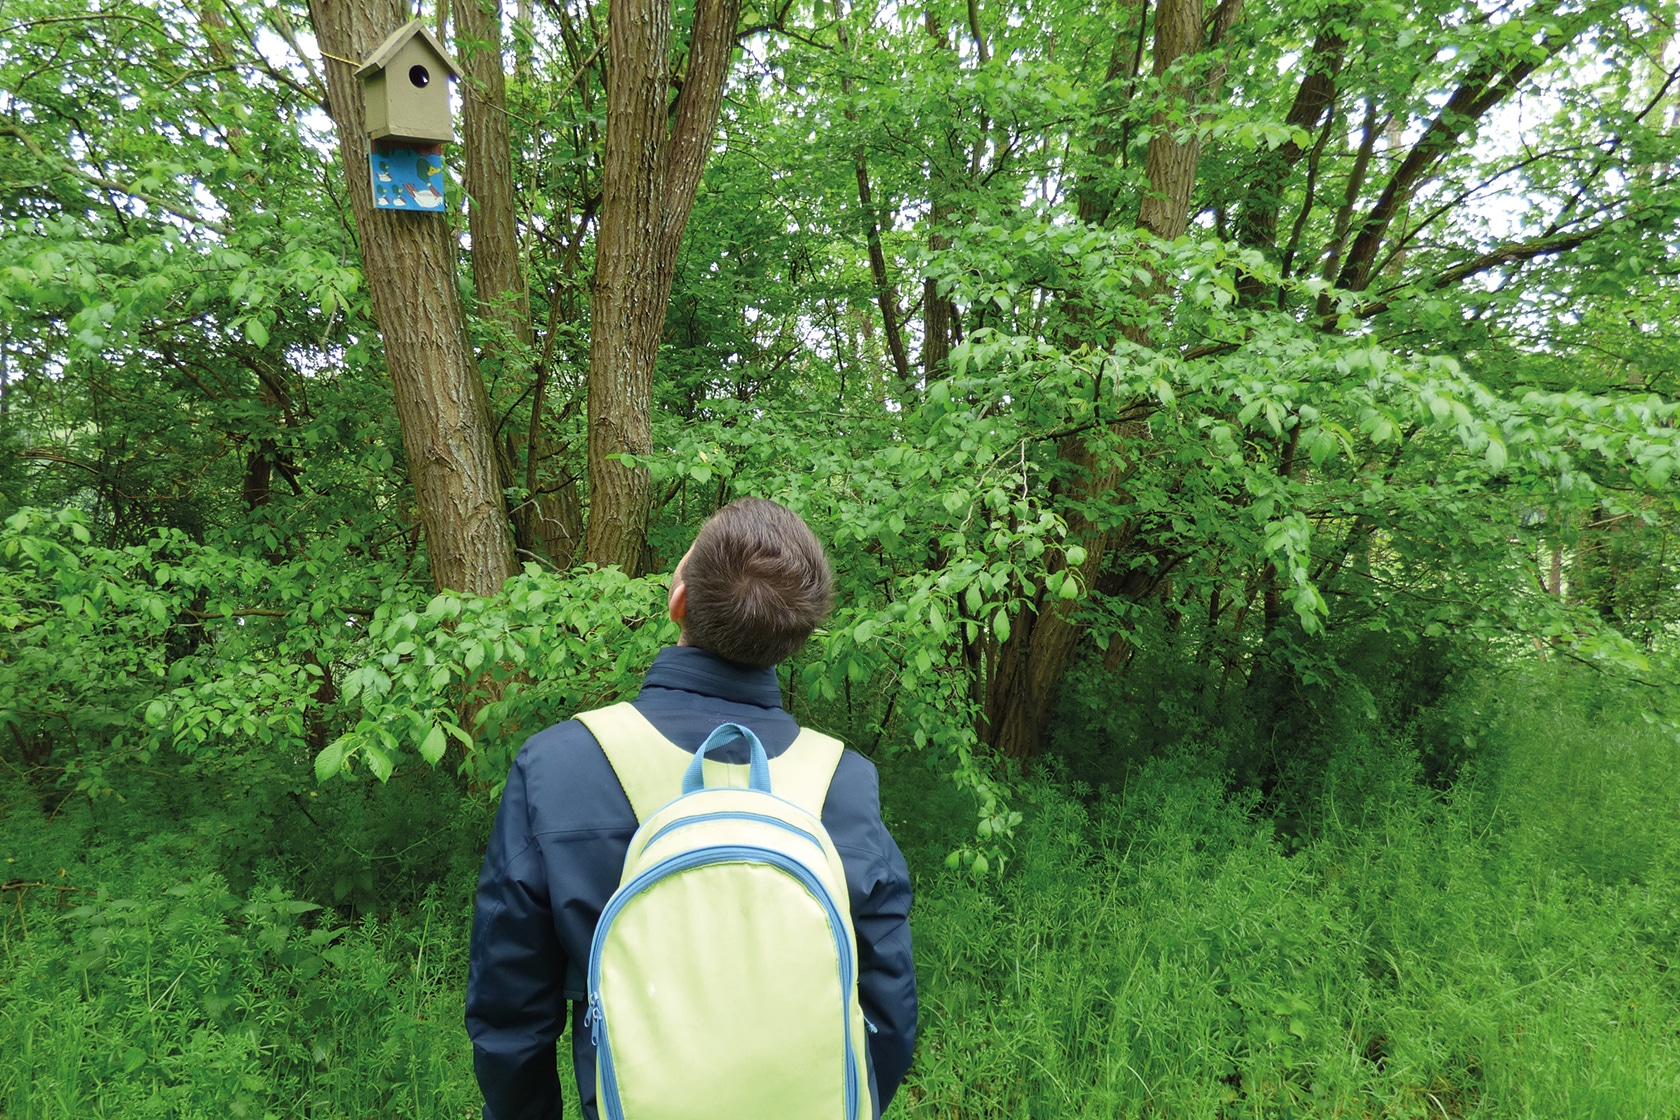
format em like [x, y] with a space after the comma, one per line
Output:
[692, 669]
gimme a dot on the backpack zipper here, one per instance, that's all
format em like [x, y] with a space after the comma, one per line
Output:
[596, 1019]
[731, 815]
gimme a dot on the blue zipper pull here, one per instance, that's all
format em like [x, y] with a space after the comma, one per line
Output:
[594, 1020]
[872, 1028]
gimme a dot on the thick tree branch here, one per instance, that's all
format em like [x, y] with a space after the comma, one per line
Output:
[1488, 82]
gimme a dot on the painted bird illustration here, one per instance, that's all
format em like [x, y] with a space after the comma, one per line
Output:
[384, 173]
[425, 196]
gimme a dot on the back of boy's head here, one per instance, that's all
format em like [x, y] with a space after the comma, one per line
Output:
[758, 584]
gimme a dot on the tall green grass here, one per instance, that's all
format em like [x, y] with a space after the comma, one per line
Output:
[191, 1002]
[1504, 948]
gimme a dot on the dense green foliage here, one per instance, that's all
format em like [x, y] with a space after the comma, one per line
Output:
[1264, 616]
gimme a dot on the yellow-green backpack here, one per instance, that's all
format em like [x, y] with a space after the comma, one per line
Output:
[723, 974]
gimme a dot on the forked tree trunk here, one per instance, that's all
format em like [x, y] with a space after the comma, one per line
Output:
[409, 262]
[650, 175]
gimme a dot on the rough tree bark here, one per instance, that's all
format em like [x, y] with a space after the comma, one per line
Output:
[1030, 665]
[654, 156]
[546, 522]
[409, 262]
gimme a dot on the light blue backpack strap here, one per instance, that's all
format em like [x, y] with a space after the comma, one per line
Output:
[802, 773]
[649, 766]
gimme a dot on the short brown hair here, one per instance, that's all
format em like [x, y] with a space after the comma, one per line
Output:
[758, 583]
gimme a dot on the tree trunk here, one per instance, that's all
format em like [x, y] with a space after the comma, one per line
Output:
[1030, 666]
[1094, 192]
[886, 293]
[409, 263]
[487, 169]
[936, 309]
[523, 42]
[543, 523]
[650, 175]
[1315, 98]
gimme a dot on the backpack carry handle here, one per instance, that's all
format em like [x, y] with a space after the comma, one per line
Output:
[758, 773]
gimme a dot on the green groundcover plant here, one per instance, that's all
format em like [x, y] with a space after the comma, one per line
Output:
[1488, 949]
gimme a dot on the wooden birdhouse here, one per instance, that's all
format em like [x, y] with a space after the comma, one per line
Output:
[405, 88]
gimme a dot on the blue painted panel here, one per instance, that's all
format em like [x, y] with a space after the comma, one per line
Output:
[408, 179]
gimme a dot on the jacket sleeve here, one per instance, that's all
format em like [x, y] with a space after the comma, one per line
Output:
[516, 1006]
[879, 883]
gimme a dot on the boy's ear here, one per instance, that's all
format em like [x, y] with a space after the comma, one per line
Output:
[678, 602]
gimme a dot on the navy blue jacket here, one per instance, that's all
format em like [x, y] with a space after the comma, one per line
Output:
[555, 856]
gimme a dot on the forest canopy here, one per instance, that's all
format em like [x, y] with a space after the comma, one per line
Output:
[1253, 330]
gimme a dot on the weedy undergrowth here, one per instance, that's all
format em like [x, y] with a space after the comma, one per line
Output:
[1504, 948]
[190, 1001]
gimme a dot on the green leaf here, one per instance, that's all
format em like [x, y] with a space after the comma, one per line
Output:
[378, 761]
[1496, 454]
[432, 748]
[256, 333]
[330, 761]
[1000, 626]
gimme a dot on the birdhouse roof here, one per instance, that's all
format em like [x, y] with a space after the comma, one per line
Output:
[396, 40]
